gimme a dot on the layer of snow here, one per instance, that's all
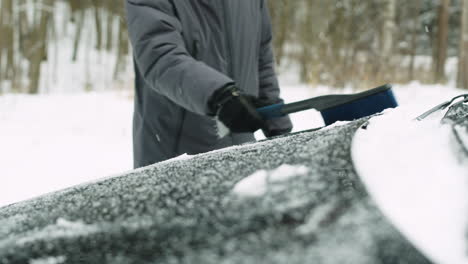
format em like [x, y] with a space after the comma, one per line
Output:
[285, 172]
[61, 229]
[64, 223]
[254, 185]
[49, 260]
[178, 158]
[257, 183]
[413, 171]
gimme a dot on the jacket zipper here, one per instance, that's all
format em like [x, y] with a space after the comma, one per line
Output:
[227, 39]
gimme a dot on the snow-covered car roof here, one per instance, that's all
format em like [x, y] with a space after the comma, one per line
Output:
[293, 199]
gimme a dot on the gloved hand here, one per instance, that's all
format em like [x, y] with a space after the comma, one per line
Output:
[235, 110]
[274, 127]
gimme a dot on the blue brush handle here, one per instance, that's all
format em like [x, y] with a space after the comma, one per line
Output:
[376, 100]
[271, 111]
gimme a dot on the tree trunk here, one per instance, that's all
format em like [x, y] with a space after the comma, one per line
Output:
[415, 9]
[441, 42]
[7, 35]
[388, 28]
[305, 40]
[25, 43]
[283, 16]
[462, 78]
[110, 31]
[2, 45]
[98, 22]
[123, 49]
[387, 41]
[80, 15]
[39, 53]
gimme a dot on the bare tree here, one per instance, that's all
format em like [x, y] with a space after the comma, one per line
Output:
[415, 8]
[388, 31]
[98, 22]
[123, 46]
[440, 52]
[462, 78]
[78, 16]
[7, 35]
[387, 42]
[306, 36]
[2, 45]
[283, 16]
[39, 53]
[110, 25]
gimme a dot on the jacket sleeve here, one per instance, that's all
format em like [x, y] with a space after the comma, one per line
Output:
[163, 60]
[269, 92]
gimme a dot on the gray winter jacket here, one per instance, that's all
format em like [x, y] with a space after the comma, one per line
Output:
[184, 50]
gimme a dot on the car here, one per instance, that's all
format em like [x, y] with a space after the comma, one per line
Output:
[290, 199]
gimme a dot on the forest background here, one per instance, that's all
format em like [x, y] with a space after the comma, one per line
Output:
[83, 45]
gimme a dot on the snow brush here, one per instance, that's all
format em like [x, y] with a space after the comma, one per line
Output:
[341, 107]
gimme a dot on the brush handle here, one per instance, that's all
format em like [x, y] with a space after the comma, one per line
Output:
[281, 109]
[319, 103]
[271, 111]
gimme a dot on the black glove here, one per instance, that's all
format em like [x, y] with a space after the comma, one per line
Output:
[235, 110]
[277, 126]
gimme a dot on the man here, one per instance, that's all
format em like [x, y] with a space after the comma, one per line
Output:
[197, 61]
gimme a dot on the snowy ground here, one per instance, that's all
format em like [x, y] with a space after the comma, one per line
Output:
[69, 139]
[62, 140]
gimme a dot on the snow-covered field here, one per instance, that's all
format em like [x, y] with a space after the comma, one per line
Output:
[49, 142]
[53, 141]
